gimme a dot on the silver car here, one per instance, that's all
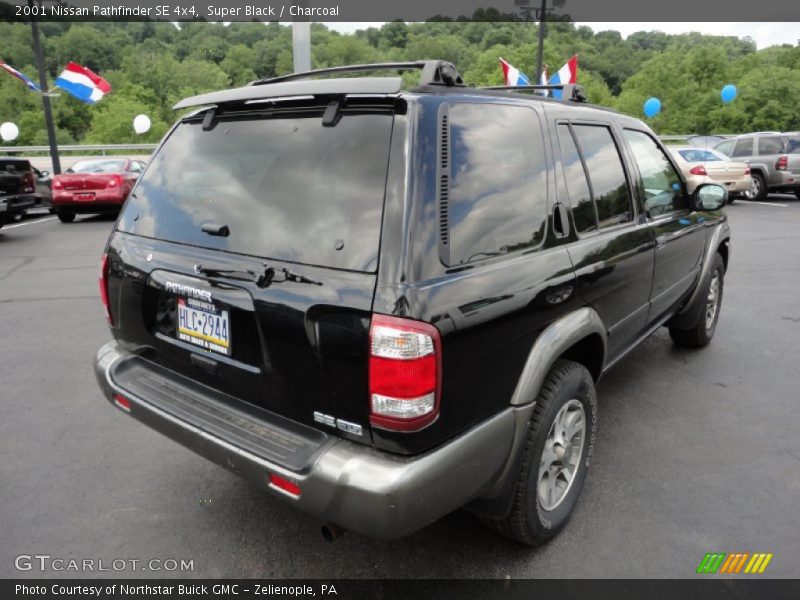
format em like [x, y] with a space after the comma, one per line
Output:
[774, 160]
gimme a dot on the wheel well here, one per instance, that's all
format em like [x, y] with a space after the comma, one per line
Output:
[723, 252]
[589, 351]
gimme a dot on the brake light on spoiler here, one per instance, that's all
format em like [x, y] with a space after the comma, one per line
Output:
[405, 373]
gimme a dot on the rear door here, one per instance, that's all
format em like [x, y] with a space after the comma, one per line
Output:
[770, 148]
[246, 258]
[613, 259]
[679, 232]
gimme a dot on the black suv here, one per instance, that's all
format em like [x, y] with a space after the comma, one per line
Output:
[383, 305]
[17, 188]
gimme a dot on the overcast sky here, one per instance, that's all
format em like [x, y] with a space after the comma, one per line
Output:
[765, 34]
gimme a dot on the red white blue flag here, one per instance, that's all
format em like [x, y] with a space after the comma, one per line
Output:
[512, 75]
[81, 83]
[21, 76]
[566, 74]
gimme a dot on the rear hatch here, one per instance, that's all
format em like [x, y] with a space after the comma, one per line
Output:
[11, 174]
[246, 258]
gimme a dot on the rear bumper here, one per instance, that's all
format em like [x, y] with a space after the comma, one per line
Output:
[353, 485]
[13, 205]
[785, 181]
[103, 201]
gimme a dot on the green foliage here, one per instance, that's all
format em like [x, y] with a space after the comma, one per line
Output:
[152, 65]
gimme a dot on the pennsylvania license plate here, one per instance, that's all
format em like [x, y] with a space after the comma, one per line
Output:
[204, 325]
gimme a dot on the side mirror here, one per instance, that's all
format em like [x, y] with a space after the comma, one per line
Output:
[710, 196]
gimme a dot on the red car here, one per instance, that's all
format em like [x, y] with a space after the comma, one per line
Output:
[95, 185]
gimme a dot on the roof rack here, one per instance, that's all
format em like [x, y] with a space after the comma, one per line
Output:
[569, 91]
[434, 72]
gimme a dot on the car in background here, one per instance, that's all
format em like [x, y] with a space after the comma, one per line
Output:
[700, 165]
[774, 160]
[17, 188]
[95, 185]
[43, 182]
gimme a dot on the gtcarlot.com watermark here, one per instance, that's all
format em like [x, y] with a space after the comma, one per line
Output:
[46, 563]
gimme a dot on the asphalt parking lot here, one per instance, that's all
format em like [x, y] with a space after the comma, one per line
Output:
[697, 451]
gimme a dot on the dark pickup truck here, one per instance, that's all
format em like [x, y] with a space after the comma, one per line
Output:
[17, 188]
[382, 305]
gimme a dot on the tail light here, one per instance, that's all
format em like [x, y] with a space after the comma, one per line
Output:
[698, 170]
[28, 183]
[405, 373]
[783, 163]
[104, 265]
[57, 185]
[114, 181]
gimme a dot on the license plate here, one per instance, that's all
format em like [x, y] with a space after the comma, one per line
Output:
[84, 196]
[204, 325]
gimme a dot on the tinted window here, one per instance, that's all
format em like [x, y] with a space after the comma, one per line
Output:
[287, 189]
[663, 191]
[498, 189]
[725, 147]
[793, 144]
[577, 184]
[770, 145]
[606, 174]
[743, 147]
[698, 155]
[14, 166]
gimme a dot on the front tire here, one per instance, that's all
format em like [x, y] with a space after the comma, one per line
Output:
[555, 456]
[701, 332]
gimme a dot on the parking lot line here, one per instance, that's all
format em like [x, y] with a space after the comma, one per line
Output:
[767, 203]
[28, 223]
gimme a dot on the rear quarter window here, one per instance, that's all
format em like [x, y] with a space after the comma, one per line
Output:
[287, 188]
[498, 190]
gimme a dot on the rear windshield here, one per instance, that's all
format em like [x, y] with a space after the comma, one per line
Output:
[699, 155]
[97, 166]
[793, 144]
[14, 166]
[287, 188]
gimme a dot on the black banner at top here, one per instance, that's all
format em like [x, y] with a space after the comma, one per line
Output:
[405, 10]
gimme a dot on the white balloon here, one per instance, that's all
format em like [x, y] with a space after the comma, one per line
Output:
[141, 124]
[9, 131]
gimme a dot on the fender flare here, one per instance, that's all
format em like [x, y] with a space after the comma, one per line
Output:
[556, 339]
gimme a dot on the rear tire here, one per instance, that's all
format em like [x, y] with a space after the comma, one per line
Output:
[65, 217]
[758, 191]
[700, 334]
[555, 456]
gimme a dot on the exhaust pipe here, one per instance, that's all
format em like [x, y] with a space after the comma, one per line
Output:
[331, 532]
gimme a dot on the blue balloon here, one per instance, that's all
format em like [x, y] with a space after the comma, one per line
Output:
[652, 107]
[728, 93]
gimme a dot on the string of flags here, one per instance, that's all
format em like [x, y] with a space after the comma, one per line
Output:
[79, 82]
[566, 74]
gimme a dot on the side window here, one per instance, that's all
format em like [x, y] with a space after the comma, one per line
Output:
[743, 147]
[769, 145]
[497, 200]
[606, 174]
[577, 183]
[663, 190]
[725, 147]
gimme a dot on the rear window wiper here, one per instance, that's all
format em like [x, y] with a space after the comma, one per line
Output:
[267, 278]
[211, 271]
[270, 273]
